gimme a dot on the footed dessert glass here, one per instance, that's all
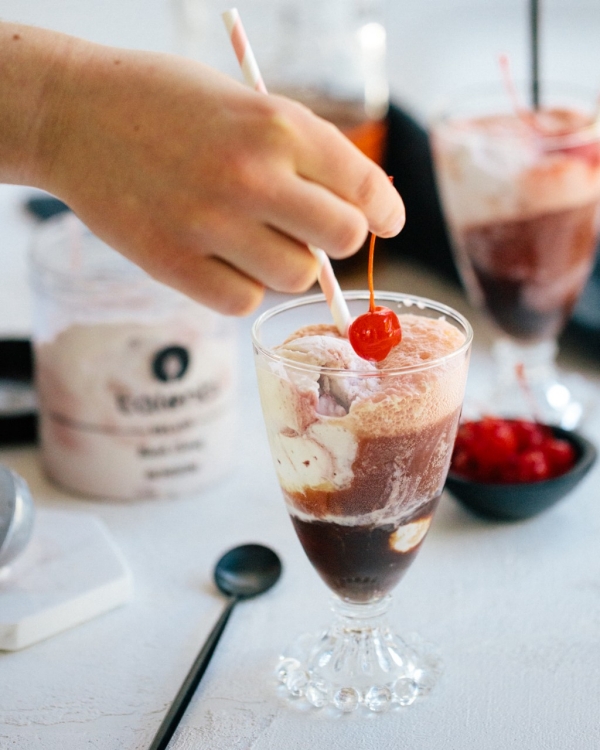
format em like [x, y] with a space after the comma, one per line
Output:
[521, 193]
[361, 451]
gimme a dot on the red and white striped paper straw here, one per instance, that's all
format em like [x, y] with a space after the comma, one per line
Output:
[327, 281]
[243, 50]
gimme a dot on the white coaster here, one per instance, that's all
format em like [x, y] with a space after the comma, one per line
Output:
[70, 572]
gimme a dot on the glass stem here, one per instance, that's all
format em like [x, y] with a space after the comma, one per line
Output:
[360, 616]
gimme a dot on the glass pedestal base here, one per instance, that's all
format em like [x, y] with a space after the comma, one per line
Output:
[358, 662]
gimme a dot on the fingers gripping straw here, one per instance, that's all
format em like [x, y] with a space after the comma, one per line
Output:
[327, 281]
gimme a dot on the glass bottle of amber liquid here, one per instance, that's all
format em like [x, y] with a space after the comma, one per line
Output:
[328, 55]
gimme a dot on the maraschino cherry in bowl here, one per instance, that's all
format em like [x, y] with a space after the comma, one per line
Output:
[512, 469]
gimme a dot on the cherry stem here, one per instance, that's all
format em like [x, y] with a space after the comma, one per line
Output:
[370, 272]
[520, 111]
[509, 85]
[527, 392]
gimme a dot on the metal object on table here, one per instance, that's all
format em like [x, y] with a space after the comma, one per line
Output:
[241, 573]
[16, 515]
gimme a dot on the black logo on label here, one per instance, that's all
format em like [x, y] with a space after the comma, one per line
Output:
[171, 363]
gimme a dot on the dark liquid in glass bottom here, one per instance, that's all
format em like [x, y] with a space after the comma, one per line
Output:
[530, 272]
[358, 563]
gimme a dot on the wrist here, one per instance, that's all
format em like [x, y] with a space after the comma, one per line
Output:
[34, 64]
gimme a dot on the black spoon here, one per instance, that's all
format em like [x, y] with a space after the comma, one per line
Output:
[241, 573]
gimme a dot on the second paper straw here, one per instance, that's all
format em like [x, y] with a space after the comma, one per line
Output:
[327, 281]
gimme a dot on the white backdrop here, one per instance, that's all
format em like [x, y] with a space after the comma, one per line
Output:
[434, 46]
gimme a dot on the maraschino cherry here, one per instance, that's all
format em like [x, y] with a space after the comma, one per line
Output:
[374, 334]
[507, 451]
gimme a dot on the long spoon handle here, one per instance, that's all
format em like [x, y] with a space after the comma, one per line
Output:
[189, 685]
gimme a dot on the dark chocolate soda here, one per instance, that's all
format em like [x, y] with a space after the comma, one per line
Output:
[530, 272]
[362, 561]
[358, 563]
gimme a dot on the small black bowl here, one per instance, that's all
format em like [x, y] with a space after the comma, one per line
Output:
[512, 502]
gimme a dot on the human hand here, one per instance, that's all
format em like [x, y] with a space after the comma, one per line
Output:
[209, 186]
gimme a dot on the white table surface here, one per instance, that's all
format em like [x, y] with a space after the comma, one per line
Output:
[515, 608]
